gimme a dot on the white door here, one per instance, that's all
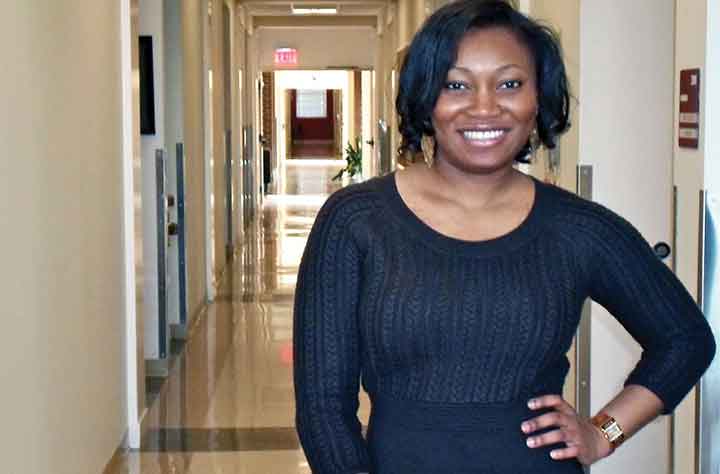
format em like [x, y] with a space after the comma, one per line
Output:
[626, 129]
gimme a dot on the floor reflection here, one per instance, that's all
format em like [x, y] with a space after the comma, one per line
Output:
[227, 406]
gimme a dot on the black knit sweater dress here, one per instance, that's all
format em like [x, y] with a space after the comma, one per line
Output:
[450, 338]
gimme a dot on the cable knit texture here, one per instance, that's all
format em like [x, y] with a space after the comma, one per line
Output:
[422, 317]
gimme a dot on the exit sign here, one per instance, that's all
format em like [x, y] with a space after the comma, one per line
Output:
[286, 57]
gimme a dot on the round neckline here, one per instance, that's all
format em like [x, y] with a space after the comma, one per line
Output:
[509, 241]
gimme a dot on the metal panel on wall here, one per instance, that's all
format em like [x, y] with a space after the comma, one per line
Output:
[182, 262]
[385, 147]
[582, 352]
[161, 229]
[709, 399]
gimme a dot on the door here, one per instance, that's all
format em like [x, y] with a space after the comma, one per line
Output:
[339, 123]
[632, 175]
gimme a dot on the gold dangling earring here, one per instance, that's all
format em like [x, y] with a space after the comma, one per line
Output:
[535, 143]
[427, 145]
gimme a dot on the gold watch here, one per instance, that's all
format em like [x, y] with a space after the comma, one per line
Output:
[610, 429]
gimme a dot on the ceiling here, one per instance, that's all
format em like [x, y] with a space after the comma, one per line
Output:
[350, 13]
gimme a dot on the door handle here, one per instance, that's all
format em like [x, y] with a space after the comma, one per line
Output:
[662, 250]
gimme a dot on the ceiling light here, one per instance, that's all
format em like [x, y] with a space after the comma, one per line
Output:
[306, 10]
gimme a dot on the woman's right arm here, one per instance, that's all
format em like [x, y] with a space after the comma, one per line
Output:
[326, 343]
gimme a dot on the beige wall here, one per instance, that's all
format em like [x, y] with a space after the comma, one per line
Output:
[384, 63]
[563, 17]
[238, 114]
[318, 48]
[61, 202]
[193, 75]
[217, 56]
[243, 117]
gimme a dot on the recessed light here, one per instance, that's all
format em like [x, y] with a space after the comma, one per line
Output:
[313, 10]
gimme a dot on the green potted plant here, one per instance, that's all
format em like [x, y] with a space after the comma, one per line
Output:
[353, 157]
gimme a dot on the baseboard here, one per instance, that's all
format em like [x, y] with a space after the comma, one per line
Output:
[157, 367]
[113, 464]
[179, 331]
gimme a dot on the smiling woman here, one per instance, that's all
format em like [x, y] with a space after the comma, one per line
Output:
[454, 290]
[487, 107]
[435, 56]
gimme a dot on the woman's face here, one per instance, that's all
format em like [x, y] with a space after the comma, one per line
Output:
[487, 107]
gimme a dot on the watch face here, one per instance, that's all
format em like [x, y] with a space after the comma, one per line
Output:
[613, 430]
[610, 429]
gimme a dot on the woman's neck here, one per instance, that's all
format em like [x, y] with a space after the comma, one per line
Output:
[474, 190]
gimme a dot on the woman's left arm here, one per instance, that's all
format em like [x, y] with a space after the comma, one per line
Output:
[650, 302]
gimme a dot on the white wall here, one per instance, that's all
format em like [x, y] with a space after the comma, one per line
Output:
[318, 48]
[61, 356]
[712, 99]
[626, 119]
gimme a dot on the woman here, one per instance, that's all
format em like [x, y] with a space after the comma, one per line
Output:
[453, 289]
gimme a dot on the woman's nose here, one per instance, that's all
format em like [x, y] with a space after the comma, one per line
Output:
[484, 103]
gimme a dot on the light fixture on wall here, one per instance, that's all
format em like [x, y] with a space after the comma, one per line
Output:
[304, 9]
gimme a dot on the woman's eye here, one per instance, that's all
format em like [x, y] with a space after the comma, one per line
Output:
[514, 84]
[455, 85]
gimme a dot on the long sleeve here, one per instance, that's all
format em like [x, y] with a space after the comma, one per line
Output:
[654, 307]
[327, 342]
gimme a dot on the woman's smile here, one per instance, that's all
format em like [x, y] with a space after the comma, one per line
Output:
[484, 137]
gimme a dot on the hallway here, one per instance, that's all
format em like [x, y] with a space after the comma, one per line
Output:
[117, 216]
[227, 406]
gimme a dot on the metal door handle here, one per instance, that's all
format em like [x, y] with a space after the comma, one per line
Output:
[662, 250]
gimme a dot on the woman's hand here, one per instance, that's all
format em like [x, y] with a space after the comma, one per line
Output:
[584, 441]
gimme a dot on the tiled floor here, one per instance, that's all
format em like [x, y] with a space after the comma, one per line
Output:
[313, 150]
[227, 406]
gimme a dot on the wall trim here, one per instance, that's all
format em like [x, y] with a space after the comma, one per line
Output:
[128, 132]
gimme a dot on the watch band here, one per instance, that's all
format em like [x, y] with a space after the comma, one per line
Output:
[610, 429]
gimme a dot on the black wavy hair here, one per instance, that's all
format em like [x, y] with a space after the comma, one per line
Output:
[433, 51]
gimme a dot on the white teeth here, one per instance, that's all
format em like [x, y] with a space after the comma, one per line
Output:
[483, 134]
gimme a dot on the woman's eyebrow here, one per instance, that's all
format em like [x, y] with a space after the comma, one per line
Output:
[500, 69]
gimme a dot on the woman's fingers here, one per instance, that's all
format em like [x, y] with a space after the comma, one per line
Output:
[565, 453]
[565, 418]
[551, 437]
[554, 418]
[551, 401]
[580, 437]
